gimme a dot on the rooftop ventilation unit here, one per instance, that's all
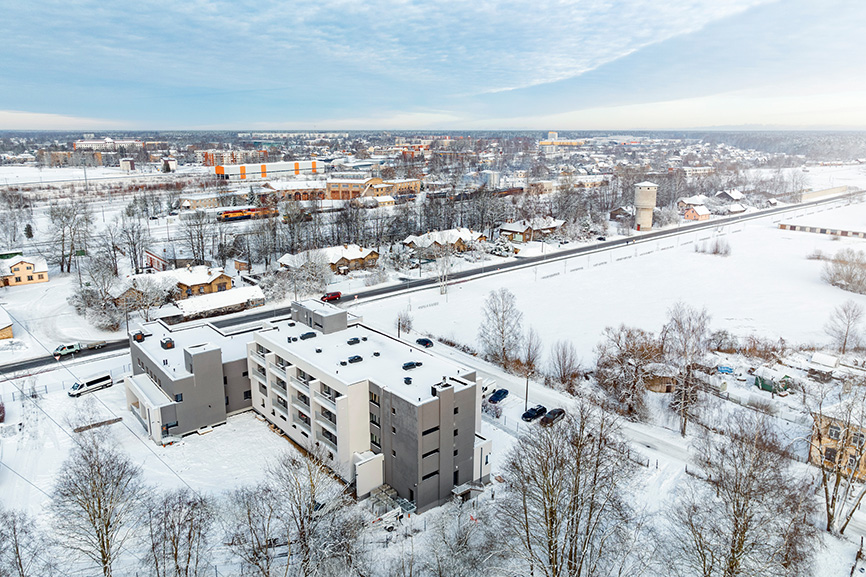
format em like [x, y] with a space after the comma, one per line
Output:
[166, 343]
[375, 353]
[318, 350]
[138, 337]
[407, 380]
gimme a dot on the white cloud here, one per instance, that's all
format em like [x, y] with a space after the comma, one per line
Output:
[19, 120]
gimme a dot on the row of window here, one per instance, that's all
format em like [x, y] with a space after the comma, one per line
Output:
[830, 457]
[30, 277]
[835, 432]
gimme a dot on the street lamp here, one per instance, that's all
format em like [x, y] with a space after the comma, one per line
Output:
[526, 394]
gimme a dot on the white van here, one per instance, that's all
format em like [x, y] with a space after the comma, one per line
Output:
[92, 384]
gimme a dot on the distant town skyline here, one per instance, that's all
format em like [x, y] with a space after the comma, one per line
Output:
[544, 65]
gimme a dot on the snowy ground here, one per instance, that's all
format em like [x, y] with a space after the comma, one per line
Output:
[15, 174]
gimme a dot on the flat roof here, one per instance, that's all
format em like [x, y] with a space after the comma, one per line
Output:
[385, 370]
[234, 346]
[144, 387]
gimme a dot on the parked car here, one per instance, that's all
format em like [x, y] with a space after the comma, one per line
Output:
[497, 396]
[533, 413]
[602, 238]
[308, 335]
[411, 365]
[724, 370]
[355, 359]
[426, 343]
[552, 416]
[334, 296]
[92, 384]
[353, 341]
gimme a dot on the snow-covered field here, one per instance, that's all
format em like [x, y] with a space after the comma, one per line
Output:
[766, 287]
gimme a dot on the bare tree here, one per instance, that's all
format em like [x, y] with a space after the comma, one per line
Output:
[685, 341]
[135, 238]
[403, 322]
[501, 331]
[565, 511]
[530, 352]
[23, 547]
[624, 356]
[444, 261]
[179, 524]
[564, 364]
[462, 542]
[843, 326]
[97, 499]
[256, 530]
[838, 448]
[196, 232]
[322, 531]
[751, 515]
[69, 227]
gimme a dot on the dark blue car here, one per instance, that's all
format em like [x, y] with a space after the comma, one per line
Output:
[533, 413]
[498, 395]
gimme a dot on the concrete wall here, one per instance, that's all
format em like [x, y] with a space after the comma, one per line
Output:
[237, 382]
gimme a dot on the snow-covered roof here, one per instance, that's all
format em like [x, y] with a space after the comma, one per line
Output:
[825, 360]
[736, 207]
[733, 193]
[214, 301]
[234, 347]
[541, 223]
[385, 370]
[5, 321]
[442, 237]
[385, 198]
[694, 200]
[146, 390]
[331, 254]
[646, 183]
[700, 210]
[39, 264]
[194, 275]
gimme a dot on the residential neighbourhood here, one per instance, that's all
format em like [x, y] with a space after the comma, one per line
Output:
[564, 289]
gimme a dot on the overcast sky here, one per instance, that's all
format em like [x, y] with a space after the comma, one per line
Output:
[438, 64]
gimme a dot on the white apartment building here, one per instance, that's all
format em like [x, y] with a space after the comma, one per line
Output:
[328, 381]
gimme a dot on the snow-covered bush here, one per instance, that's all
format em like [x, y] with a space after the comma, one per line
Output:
[847, 270]
[502, 247]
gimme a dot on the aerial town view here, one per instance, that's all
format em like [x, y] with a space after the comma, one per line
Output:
[433, 289]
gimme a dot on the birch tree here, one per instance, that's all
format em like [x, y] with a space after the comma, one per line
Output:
[24, 549]
[685, 341]
[624, 355]
[501, 329]
[97, 499]
[179, 525]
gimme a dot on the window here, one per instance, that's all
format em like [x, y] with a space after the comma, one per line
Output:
[456, 478]
[456, 410]
[486, 459]
[245, 374]
[248, 395]
[17, 279]
[830, 455]
[455, 432]
[852, 461]
[304, 399]
[374, 398]
[393, 453]
[29, 277]
[393, 430]
[227, 400]
[427, 454]
[857, 439]
[225, 380]
[40, 276]
[428, 431]
[455, 452]
[221, 287]
[170, 425]
[374, 419]
[375, 440]
[178, 398]
[429, 475]
[393, 411]
[835, 432]
[263, 389]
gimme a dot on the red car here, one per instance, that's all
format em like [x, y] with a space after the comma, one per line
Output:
[335, 296]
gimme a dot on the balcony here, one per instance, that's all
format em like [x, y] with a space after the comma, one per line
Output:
[300, 422]
[326, 402]
[281, 388]
[326, 423]
[261, 377]
[300, 385]
[328, 442]
[284, 410]
[278, 369]
[299, 404]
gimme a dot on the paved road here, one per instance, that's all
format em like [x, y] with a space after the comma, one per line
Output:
[417, 284]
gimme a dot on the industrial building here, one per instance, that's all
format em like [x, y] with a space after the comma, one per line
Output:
[644, 204]
[268, 170]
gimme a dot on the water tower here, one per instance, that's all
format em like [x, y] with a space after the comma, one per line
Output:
[644, 203]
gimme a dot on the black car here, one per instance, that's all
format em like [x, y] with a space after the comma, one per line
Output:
[553, 416]
[355, 359]
[601, 238]
[411, 365]
[497, 396]
[353, 341]
[308, 335]
[426, 343]
[533, 413]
